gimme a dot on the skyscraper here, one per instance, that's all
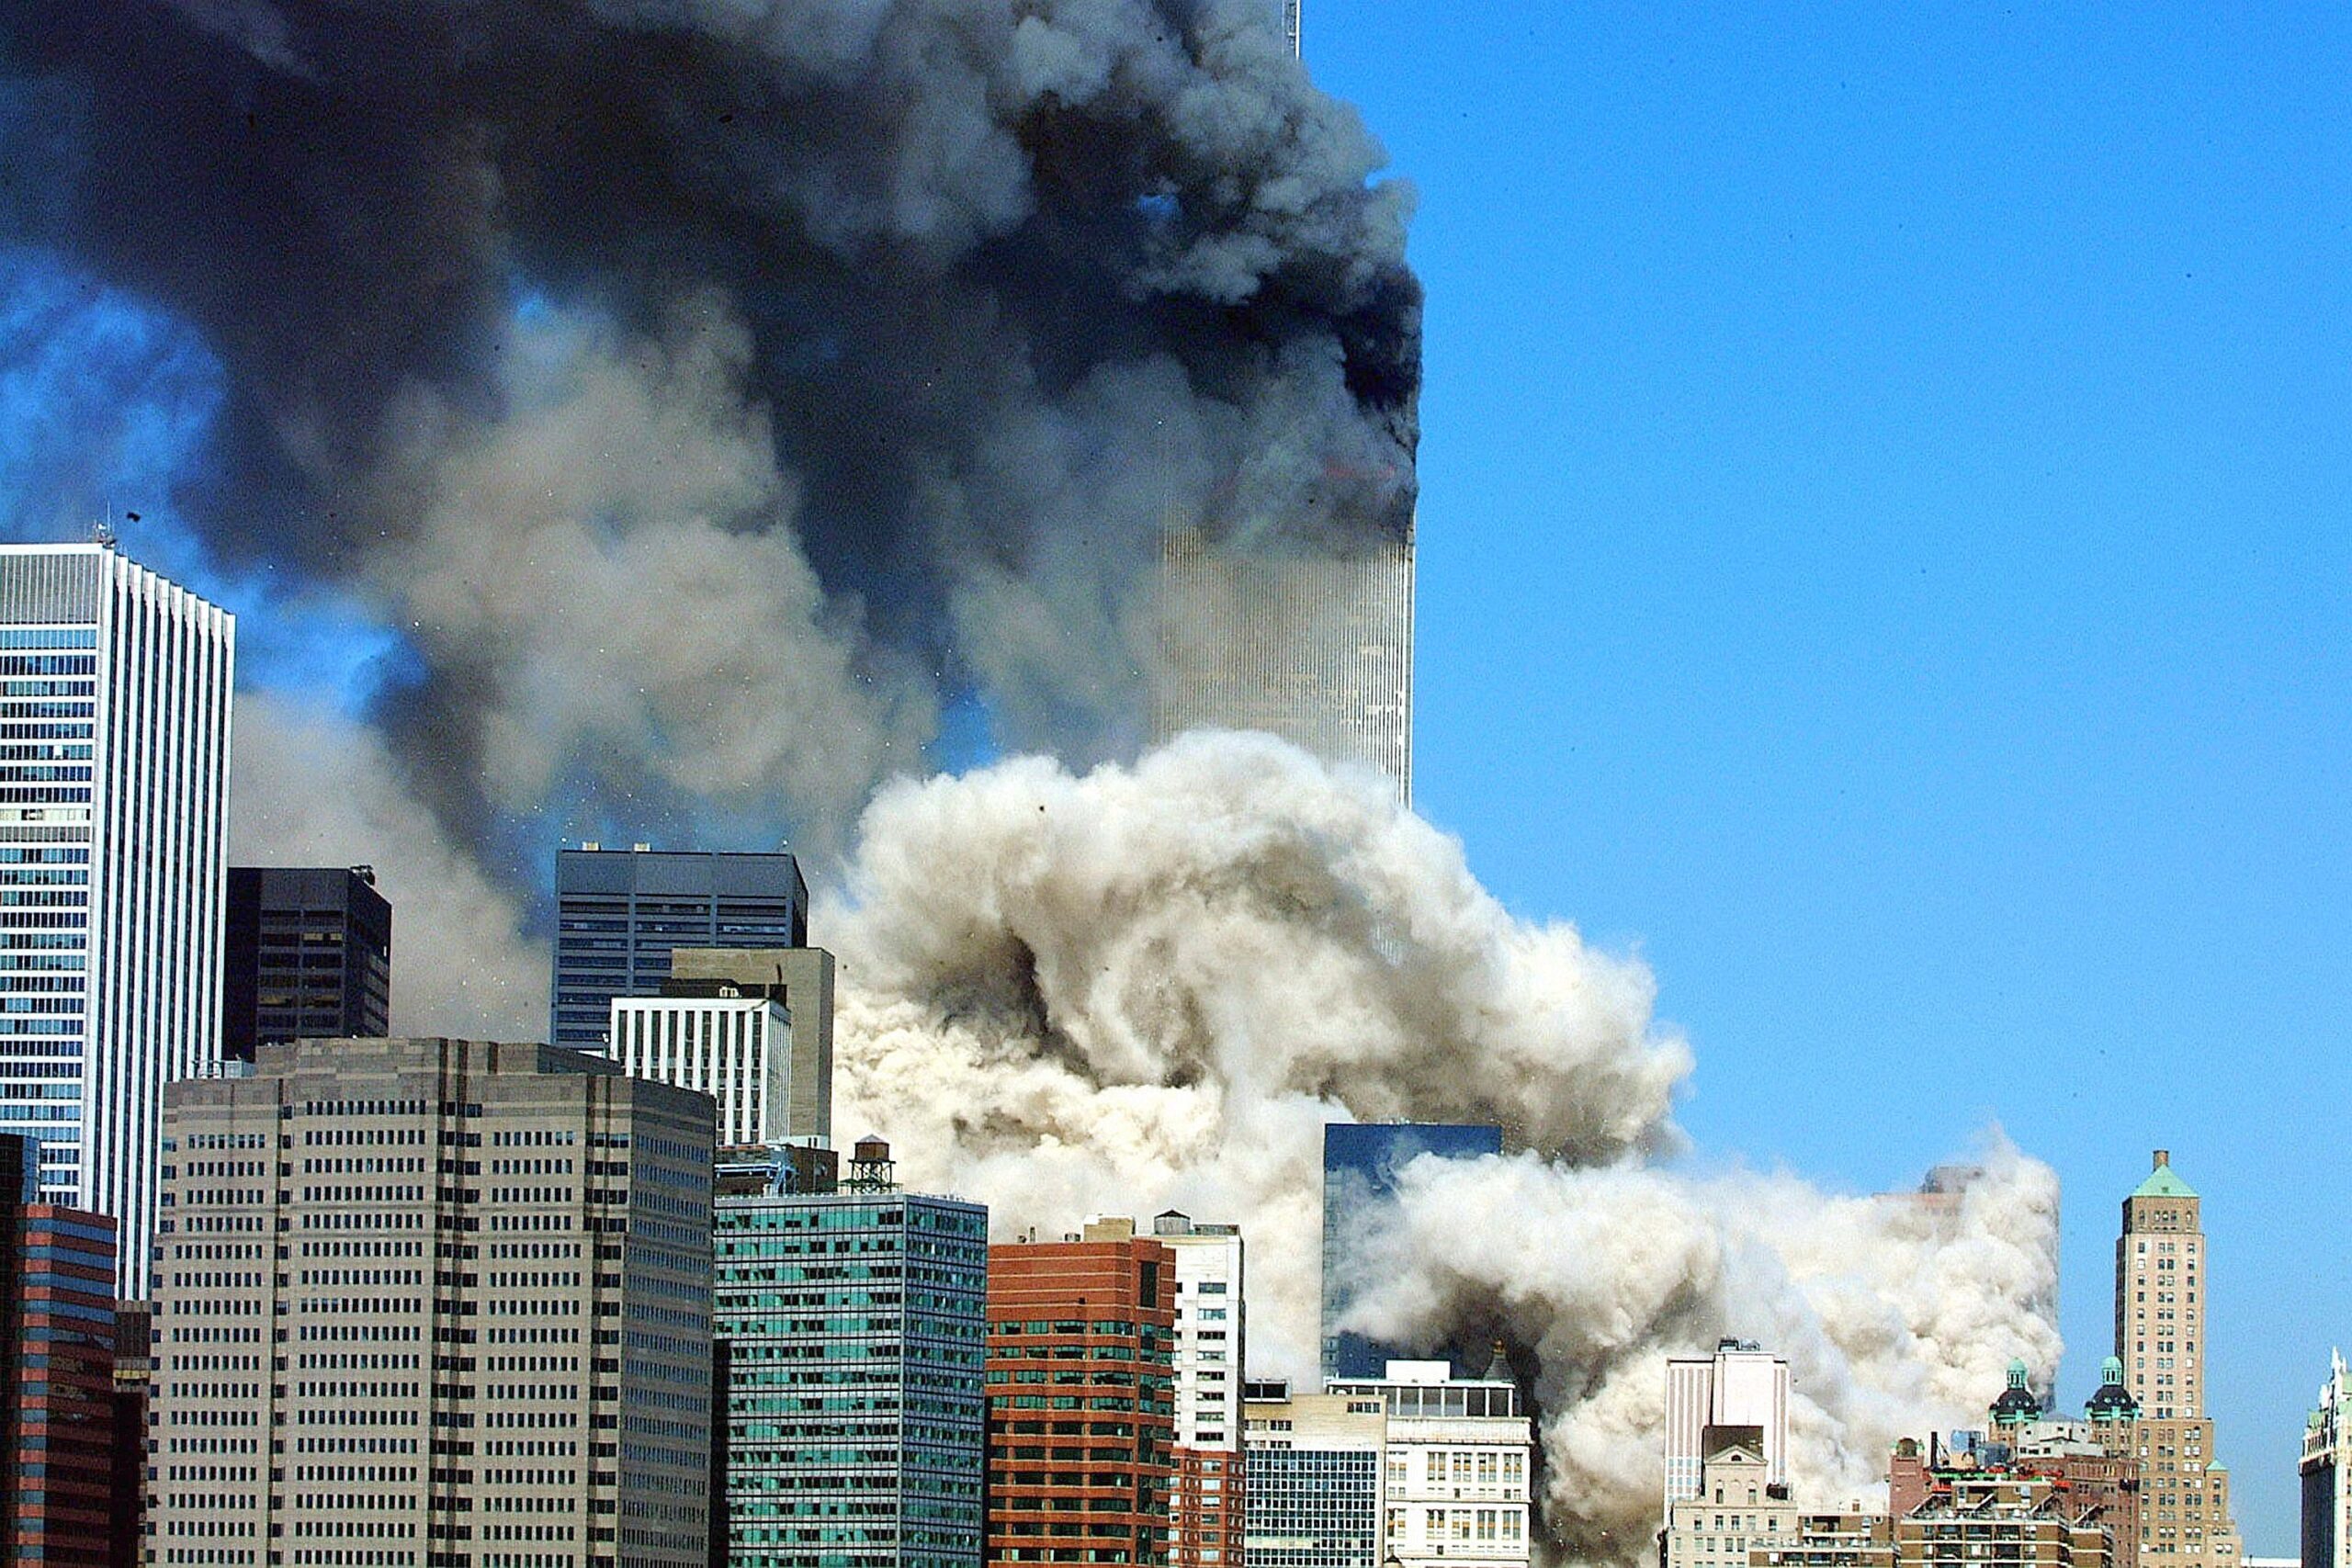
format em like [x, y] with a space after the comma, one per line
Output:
[1742, 1387]
[2326, 1471]
[2162, 1297]
[1080, 1410]
[416, 1292]
[853, 1413]
[308, 953]
[1361, 1160]
[802, 979]
[57, 1347]
[114, 692]
[620, 912]
[1314, 648]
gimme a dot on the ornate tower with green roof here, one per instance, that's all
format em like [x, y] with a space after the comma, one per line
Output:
[2161, 1301]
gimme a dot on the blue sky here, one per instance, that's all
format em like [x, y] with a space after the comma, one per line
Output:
[1886, 538]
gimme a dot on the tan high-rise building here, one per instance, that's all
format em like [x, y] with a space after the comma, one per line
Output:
[2162, 1300]
[432, 1301]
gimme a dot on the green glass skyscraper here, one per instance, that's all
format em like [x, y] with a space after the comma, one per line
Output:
[850, 1333]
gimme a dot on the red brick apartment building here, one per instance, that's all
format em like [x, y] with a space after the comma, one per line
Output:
[1082, 1407]
[56, 1373]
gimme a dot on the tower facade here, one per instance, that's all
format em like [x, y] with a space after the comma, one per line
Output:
[1082, 1410]
[1316, 1467]
[619, 913]
[413, 1293]
[2162, 1301]
[309, 952]
[1739, 1392]
[1314, 648]
[1207, 1513]
[114, 694]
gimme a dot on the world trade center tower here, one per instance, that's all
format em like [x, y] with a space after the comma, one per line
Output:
[113, 782]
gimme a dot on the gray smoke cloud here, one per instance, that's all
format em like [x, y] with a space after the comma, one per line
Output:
[1151, 987]
[710, 392]
[1898, 1314]
[461, 963]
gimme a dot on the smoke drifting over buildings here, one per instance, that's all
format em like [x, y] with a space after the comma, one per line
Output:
[578, 340]
[1156, 984]
[709, 397]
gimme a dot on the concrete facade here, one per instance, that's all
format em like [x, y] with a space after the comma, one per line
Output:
[1460, 1455]
[1207, 1511]
[1738, 1510]
[432, 1300]
[1318, 1467]
[1741, 1388]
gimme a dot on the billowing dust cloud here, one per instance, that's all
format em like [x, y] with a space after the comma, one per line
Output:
[1149, 987]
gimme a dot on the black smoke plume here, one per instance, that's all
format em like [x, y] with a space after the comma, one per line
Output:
[708, 390]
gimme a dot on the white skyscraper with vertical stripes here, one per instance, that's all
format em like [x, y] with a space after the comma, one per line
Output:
[114, 782]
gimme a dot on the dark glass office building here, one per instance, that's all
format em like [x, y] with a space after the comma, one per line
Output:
[619, 912]
[308, 956]
[1361, 1160]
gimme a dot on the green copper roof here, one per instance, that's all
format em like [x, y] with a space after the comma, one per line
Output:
[2163, 1183]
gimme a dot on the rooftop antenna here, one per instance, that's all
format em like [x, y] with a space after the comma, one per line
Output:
[102, 533]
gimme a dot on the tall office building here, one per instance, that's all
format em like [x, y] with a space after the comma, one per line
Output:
[309, 952]
[620, 912]
[752, 1028]
[1081, 1409]
[1461, 1451]
[855, 1415]
[1290, 24]
[1208, 1510]
[1315, 648]
[433, 1301]
[114, 698]
[2163, 1294]
[1741, 1388]
[1316, 1463]
[1361, 1161]
[2326, 1471]
[57, 1345]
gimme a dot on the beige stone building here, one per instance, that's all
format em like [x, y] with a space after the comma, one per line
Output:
[1738, 1513]
[431, 1303]
[2162, 1299]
